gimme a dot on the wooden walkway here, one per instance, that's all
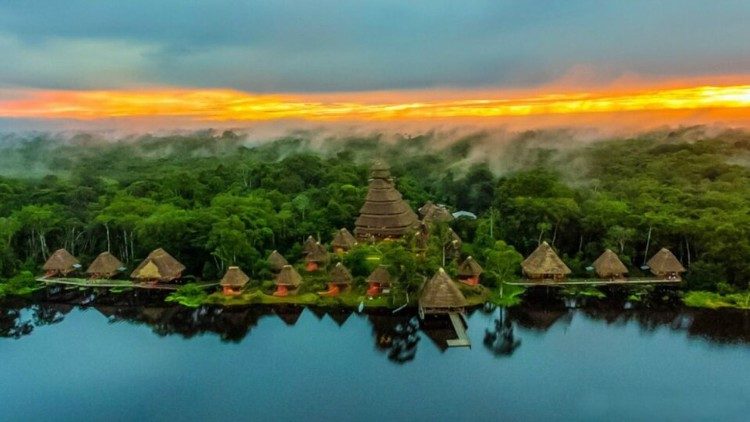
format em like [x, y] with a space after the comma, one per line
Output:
[458, 325]
[594, 282]
[105, 283]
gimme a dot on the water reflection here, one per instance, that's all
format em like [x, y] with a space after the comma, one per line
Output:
[397, 336]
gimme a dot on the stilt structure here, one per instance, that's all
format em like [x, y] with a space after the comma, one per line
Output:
[384, 215]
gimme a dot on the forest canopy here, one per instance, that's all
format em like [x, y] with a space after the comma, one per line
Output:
[217, 199]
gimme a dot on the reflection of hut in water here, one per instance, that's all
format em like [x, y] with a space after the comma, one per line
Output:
[287, 281]
[343, 241]
[440, 295]
[316, 258]
[60, 263]
[608, 266]
[289, 314]
[469, 271]
[544, 264]
[276, 262]
[666, 266]
[385, 214]
[339, 279]
[159, 266]
[439, 331]
[538, 318]
[234, 281]
[317, 311]
[339, 315]
[104, 266]
[379, 281]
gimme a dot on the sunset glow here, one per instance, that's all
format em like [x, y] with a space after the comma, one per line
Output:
[233, 105]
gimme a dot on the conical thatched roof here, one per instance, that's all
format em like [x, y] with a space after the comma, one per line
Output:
[276, 261]
[544, 260]
[426, 208]
[158, 265]
[384, 213]
[608, 264]
[441, 292]
[343, 239]
[234, 277]
[317, 254]
[470, 268]
[309, 244]
[665, 262]
[340, 274]
[105, 263]
[437, 214]
[454, 239]
[380, 275]
[288, 276]
[60, 260]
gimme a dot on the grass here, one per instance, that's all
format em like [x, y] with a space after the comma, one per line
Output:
[711, 300]
[22, 284]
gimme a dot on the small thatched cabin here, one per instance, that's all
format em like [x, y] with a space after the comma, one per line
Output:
[340, 279]
[343, 241]
[233, 281]
[316, 258]
[440, 295]
[469, 271]
[609, 266]
[421, 241]
[159, 266]
[544, 264]
[379, 281]
[436, 214]
[104, 266]
[309, 245]
[276, 261]
[61, 262]
[287, 281]
[666, 266]
[427, 208]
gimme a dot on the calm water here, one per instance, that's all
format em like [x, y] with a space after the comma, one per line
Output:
[118, 362]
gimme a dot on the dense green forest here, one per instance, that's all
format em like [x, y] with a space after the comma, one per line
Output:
[217, 199]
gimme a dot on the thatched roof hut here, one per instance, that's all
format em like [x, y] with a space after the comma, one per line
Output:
[343, 240]
[384, 214]
[158, 266]
[234, 278]
[454, 240]
[288, 276]
[426, 208]
[340, 274]
[608, 265]
[421, 241]
[441, 295]
[437, 214]
[380, 275]
[317, 254]
[105, 265]
[665, 264]
[544, 263]
[470, 268]
[60, 262]
[309, 245]
[276, 261]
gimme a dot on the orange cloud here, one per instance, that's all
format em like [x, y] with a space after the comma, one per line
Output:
[223, 105]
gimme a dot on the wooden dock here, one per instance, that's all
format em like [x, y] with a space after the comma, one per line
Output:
[115, 284]
[458, 325]
[594, 282]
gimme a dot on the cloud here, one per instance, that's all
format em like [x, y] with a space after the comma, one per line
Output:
[346, 45]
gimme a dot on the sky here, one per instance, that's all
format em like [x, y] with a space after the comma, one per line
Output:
[182, 62]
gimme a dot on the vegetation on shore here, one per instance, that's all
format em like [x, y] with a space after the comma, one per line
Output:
[215, 200]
